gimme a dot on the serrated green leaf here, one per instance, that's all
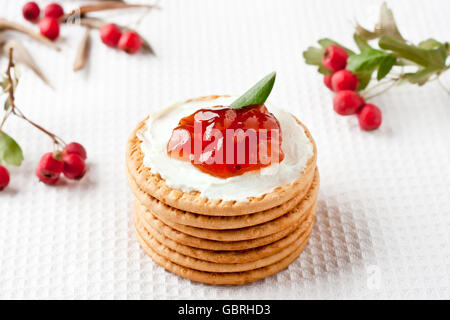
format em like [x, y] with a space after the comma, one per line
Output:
[313, 56]
[385, 67]
[10, 151]
[360, 42]
[428, 58]
[386, 24]
[364, 33]
[325, 42]
[257, 94]
[420, 77]
[429, 44]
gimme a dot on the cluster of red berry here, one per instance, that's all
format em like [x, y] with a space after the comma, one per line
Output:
[70, 162]
[110, 34]
[49, 25]
[347, 101]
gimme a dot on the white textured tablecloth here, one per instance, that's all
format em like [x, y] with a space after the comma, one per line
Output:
[383, 218]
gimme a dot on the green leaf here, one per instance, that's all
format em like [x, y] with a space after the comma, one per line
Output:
[429, 58]
[385, 26]
[257, 94]
[429, 44]
[385, 67]
[369, 59]
[10, 151]
[360, 42]
[420, 77]
[364, 33]
[364, 78]
[325, 42]
[386, 23]
[313, 56]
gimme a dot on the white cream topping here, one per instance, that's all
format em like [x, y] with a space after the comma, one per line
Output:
[184, 176]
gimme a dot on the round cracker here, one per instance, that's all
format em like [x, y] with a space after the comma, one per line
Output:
[155, 185]
[188, 240]
[233, 278]
[302, 210]
[216, 222]
[226, 256]
[202, 265]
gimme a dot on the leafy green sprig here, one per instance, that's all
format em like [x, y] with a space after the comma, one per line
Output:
[426, 59]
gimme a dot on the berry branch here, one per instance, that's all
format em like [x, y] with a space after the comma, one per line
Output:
[68, 159]
[13, 109]
[394, 61]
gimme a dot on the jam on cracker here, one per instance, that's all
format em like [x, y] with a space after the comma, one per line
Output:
[226, 142]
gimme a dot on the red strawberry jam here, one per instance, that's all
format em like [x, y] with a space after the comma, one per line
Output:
[226, 142]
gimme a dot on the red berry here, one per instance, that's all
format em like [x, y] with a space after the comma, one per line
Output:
[76, 148]
[74, 166]
[370, 117]
[31, 11]
[53, 10]
[130, 42]
[110, 34]
[347, 102]
[344, 80]
[334, 58]
[49, 28]
[4, 178]
[50, 167]
[327, 81]
[46, 179]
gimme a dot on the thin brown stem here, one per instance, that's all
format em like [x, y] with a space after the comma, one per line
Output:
[17, 112]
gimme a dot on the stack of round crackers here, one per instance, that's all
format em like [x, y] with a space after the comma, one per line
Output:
[215, 241]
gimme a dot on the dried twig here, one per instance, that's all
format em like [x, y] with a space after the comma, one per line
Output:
[82, 52]
[21, 55]
[9, 25]
[107, 5]
[17, 112]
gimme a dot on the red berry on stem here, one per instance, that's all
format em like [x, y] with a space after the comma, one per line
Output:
[76, 148]
[370, 117]
[31, 11]
[49, 28]
[110, 34]
[347, 102]
[344, 80]
[74, 166]
[334, 58]
[327, 81]
[4, 178]
[130, 42]
[53, 10]
[50, 167]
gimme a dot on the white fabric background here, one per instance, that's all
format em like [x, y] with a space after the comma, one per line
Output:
[383, 217]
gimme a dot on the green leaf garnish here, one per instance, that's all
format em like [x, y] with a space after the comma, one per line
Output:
[10, 151]
[257, 94]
